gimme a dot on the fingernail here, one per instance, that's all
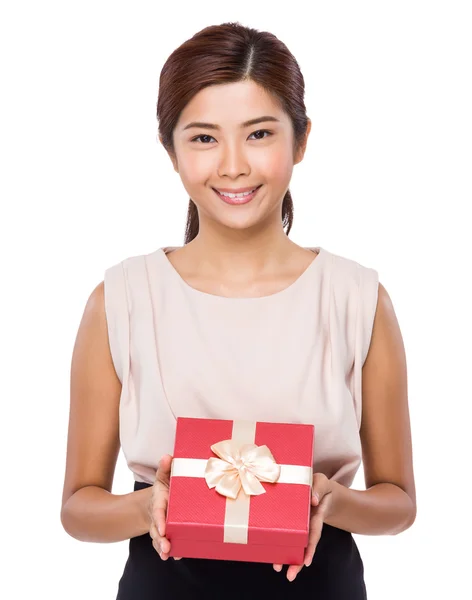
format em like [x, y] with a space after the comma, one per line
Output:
[159, 529]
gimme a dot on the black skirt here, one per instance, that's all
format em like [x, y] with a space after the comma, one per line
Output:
[336, 573]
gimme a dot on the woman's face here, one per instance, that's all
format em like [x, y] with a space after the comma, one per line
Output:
[231, 155]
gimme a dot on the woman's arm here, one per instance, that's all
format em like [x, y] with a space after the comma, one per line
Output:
[388, 504]
[383, 509]
[93, 514]
[90, 512]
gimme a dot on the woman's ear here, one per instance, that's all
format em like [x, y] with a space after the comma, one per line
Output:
[172, 157]
[301, 150]
[175, 164]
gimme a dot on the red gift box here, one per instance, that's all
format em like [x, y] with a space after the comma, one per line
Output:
[268, 524]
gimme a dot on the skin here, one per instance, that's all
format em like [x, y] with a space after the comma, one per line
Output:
[239, 251]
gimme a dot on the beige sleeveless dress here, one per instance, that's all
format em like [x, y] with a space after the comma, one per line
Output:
[294, 356]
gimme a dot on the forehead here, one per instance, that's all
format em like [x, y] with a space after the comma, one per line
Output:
[230, 104]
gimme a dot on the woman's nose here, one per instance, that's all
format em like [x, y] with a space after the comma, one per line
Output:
[233, 162]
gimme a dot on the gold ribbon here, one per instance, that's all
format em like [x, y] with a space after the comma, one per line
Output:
[238, 473]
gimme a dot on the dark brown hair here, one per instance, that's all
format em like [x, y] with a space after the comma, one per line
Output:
[228, 53]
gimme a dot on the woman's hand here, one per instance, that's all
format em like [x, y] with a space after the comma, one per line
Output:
[158, 508]
[321, 499]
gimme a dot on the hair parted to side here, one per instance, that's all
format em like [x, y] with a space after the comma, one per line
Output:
[229, 53]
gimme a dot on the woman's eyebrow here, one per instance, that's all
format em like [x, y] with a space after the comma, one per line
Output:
[243, 125]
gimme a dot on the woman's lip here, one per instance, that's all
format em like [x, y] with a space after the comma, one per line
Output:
[236, 191]
[236, 201]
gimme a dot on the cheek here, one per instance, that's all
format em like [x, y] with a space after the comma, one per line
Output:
[195, 168]
[276, 167]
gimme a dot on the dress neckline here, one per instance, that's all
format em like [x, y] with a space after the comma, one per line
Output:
[313, 267]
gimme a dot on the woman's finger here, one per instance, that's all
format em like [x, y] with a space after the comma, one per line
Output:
[163, 470]
[159, 510]
[316, 527]
[165, 548]
[160, 501]
[160, 543]
[153, 531]
[162, 546]
[316, 524]
[293, 571]
[159, 517]
[156, 546]
[277, 567]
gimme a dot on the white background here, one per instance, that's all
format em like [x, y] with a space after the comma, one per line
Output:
[386, 181]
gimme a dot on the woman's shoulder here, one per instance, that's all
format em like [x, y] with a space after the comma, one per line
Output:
[129, 264]
[348, 269]
[129, 259]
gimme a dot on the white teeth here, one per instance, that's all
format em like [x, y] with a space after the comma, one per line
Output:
[236, 195]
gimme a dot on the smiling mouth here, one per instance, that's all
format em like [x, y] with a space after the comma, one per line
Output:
[235, 200]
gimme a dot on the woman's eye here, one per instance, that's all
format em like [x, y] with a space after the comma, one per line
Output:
[261, 131]
[200, 137]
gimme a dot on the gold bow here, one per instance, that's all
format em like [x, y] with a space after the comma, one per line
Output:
[240, 466]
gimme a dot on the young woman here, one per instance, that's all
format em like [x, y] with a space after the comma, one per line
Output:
[238, 323]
